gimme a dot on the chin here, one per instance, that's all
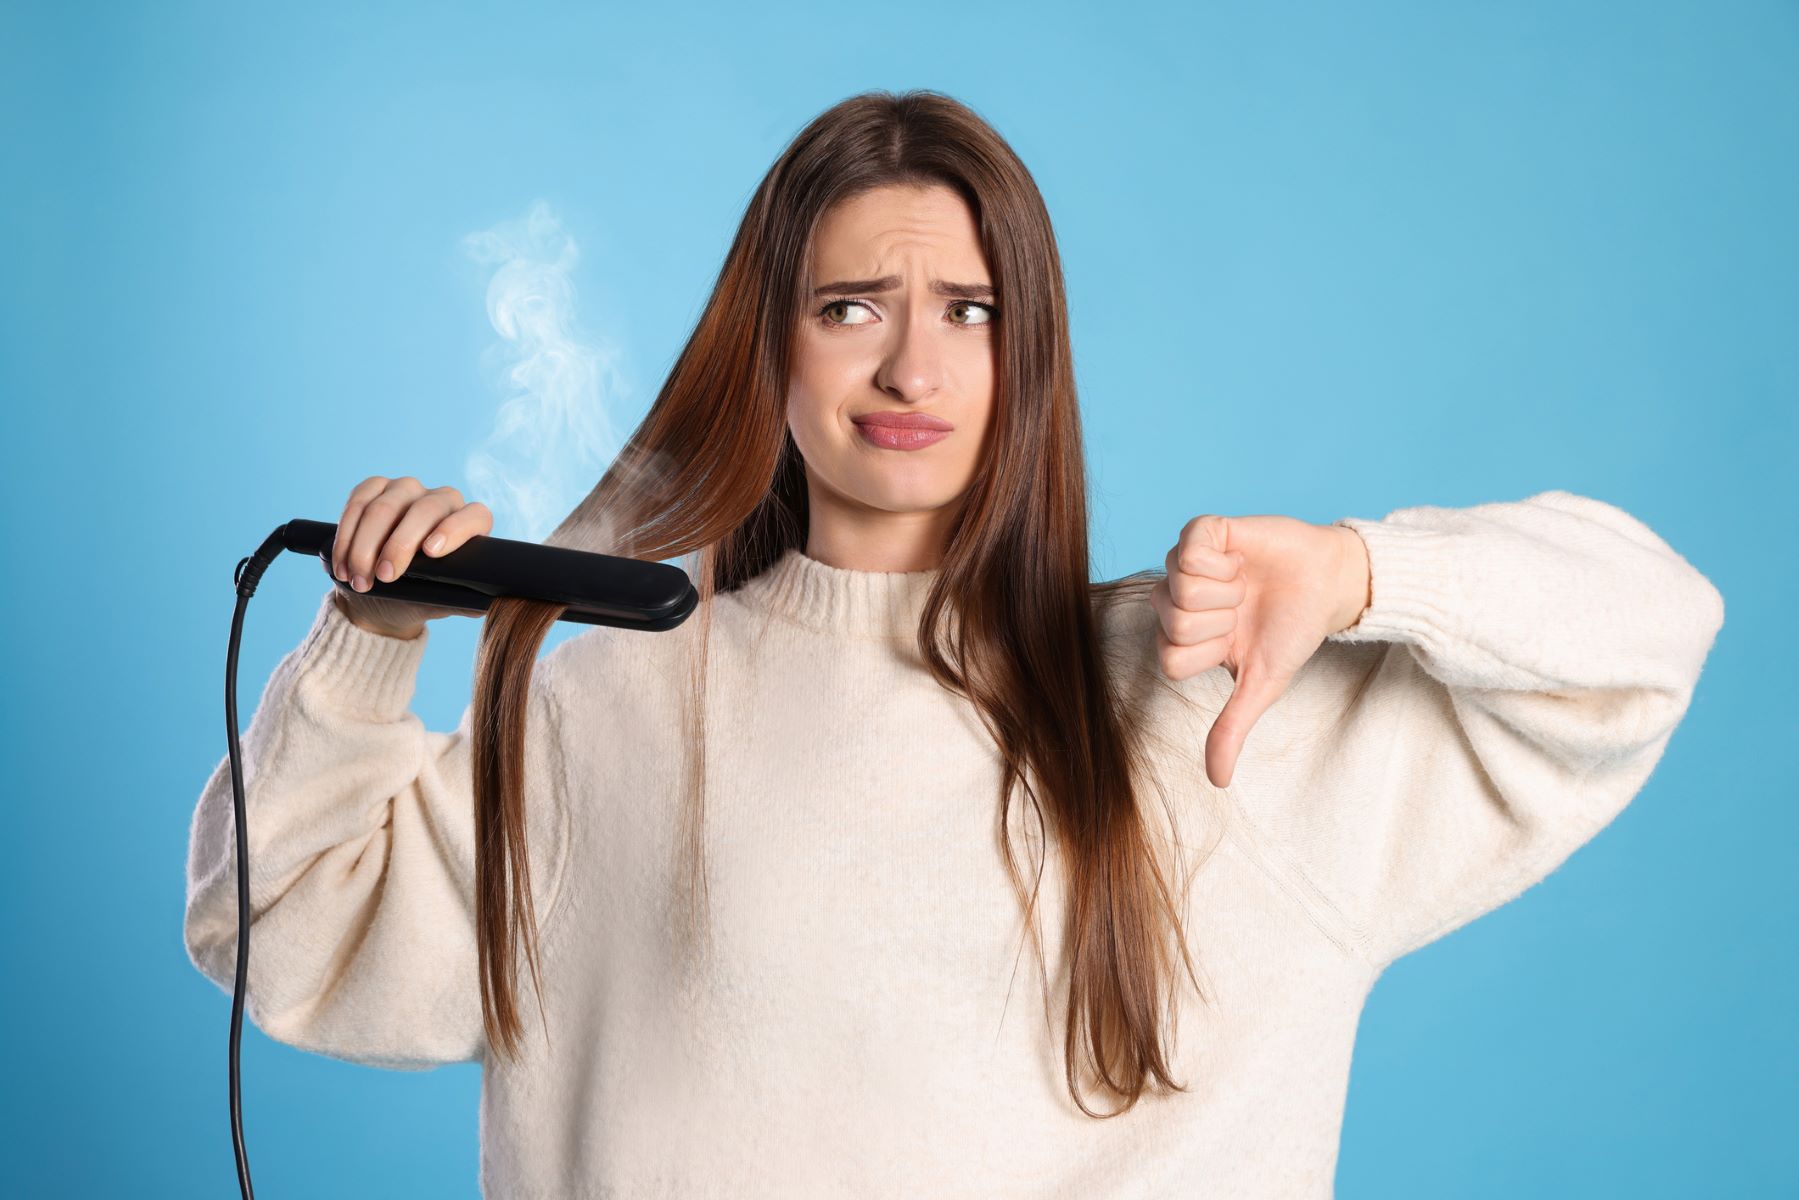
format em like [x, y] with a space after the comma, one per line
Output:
[903, 499]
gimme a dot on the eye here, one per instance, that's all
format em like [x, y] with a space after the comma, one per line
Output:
[986, 309]
[842, 304]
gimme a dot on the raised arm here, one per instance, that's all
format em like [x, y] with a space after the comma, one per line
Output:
[361, 839]
[1508, 690]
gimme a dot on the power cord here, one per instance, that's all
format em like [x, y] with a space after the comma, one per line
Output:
[247, 575]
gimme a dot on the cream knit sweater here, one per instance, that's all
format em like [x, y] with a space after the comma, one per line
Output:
[1510, 688]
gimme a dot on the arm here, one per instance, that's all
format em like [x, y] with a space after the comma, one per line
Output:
[1510, 687]
[361, 839]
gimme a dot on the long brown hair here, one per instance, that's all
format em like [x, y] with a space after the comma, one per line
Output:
[713, 473]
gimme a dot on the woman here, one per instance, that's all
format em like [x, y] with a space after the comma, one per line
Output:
[782, 861]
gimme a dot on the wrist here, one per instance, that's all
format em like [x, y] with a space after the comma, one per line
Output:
[1355, 583]
[405, 634]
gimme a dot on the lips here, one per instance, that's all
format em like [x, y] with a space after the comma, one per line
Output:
[903, 420]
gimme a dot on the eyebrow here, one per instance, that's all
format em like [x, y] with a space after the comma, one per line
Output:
[887, 283]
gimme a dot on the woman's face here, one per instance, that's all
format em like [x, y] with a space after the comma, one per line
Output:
[898, 322]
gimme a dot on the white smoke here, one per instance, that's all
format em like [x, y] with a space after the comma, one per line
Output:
[552, 438]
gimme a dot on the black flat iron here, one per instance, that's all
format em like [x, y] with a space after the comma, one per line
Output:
[599, 589]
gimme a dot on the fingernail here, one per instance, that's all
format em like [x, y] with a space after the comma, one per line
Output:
[435, 544]
[384, 571]
[341, 576]
[360, 584]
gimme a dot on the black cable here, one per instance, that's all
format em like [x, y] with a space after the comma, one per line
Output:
[246, 576]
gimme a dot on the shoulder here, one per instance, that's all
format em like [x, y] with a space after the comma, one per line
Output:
[607, 667]
[582, 663]
[1127, 625]
[1121, 607]
[600, 648]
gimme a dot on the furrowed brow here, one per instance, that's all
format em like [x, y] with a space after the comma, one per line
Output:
[886, 283]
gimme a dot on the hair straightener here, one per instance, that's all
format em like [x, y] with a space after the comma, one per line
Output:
[599, 589]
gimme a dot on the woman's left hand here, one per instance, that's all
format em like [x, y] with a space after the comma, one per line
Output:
[1257, 595]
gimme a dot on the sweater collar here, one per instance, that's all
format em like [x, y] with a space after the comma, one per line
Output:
[838, 600]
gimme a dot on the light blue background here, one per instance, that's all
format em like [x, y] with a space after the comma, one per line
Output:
[1322, 261]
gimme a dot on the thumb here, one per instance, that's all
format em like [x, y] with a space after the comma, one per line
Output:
[1255, 692]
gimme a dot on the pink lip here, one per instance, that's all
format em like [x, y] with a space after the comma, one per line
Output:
[901, 430]
[898, 437]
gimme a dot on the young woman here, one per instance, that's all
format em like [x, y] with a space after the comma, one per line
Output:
[782, 862]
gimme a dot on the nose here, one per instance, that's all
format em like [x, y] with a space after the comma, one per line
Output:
[912, 368]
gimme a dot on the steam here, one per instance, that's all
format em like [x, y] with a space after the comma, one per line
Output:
[552, 438]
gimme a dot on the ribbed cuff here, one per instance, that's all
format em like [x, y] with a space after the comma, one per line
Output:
[370, 672]
[1411, 581]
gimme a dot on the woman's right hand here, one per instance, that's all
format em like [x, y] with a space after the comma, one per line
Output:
[384, 524]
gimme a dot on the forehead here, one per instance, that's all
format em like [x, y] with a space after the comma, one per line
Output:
[877, 230]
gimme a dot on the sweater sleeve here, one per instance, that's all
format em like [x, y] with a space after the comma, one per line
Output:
[1510, 687]
[361, 839]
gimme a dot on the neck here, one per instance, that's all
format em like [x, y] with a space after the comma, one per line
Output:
[858, 538]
